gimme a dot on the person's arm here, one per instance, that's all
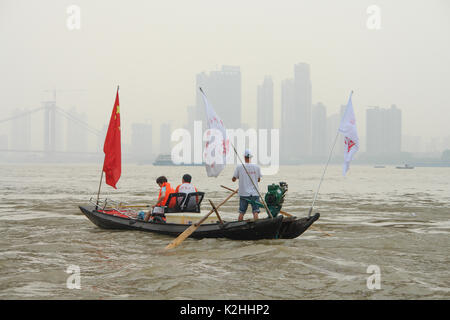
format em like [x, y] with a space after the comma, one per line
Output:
[163, 195]
[235, 175]
[259, 174]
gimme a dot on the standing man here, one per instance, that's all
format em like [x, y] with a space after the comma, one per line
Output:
[246, 187]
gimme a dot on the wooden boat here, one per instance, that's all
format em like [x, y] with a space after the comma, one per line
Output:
[279, 227]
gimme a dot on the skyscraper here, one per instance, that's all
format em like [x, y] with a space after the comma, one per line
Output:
[287, 128]
[319, 130]
[302, 100]
[295, 131]
[333, 122]
[223, 90]
[264, 104]
[383, 131]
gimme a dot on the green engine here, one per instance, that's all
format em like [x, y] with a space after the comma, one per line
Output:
[275, 197]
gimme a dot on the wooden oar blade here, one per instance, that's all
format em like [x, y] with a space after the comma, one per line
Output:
[286, 214]
[178, 240]
[186, 233]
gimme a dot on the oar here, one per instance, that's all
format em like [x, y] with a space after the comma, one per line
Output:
[229, 189]
[286, 214]
[178, 240]
[215, 209]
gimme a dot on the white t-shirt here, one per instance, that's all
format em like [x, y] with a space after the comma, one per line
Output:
[246, 187]
[188, 188]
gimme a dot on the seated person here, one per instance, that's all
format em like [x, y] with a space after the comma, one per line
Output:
[164, 192]
[187, 187]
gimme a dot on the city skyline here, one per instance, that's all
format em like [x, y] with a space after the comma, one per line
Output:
[216, 83]
[386, 140]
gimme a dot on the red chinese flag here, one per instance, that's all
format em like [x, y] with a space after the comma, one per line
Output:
[112, 148]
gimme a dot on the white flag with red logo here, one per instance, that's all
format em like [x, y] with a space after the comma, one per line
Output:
[215, 154]
[348, 129]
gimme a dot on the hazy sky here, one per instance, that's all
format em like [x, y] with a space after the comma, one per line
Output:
[154, 49]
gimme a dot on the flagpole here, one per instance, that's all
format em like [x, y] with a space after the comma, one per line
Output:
[326, 166]
[99, 186]
[323, 174]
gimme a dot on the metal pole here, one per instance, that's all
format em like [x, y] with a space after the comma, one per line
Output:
[99, 186]
[329, 158]
[254, 185]
[323, 174]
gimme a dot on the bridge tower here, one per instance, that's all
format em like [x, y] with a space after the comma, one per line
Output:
[49, 126]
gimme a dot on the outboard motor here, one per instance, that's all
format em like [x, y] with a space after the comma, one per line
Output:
[275, 197]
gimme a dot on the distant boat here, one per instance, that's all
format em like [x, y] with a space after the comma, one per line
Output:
[166, 160]
[406, 166]
[379, 166]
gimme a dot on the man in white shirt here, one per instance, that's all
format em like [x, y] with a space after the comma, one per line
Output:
[246, 187]
[187, 187]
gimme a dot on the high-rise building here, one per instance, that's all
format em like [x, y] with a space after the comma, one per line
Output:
[164, 139]
[223, 90]
[319, 130]
[141, 141]
[21, 130]
[383, 131]
[287, 128]
[333, 122]
[264, 104]
[302, 96]
[295, 130]
[76, 137]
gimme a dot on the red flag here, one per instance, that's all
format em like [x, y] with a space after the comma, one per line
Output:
[112, 166]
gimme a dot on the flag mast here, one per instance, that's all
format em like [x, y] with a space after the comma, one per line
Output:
[326, 166]
[101, 177]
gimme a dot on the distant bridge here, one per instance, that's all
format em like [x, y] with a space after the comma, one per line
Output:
[50, 110]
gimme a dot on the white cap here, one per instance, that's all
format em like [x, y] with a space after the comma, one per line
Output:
[247, 153]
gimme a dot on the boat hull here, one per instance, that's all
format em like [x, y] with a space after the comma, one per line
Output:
[279, 227]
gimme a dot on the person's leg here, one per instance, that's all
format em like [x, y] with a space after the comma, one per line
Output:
[255, 208]
[147, 216]
[243, 204]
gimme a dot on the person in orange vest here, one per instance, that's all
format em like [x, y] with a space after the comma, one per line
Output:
[157, 212]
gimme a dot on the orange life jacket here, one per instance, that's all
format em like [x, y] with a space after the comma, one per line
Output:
[169, 190]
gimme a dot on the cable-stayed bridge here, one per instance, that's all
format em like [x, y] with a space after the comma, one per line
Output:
[51, 129]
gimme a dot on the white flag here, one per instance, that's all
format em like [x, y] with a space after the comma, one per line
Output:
[348, 129]
[216, 142]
